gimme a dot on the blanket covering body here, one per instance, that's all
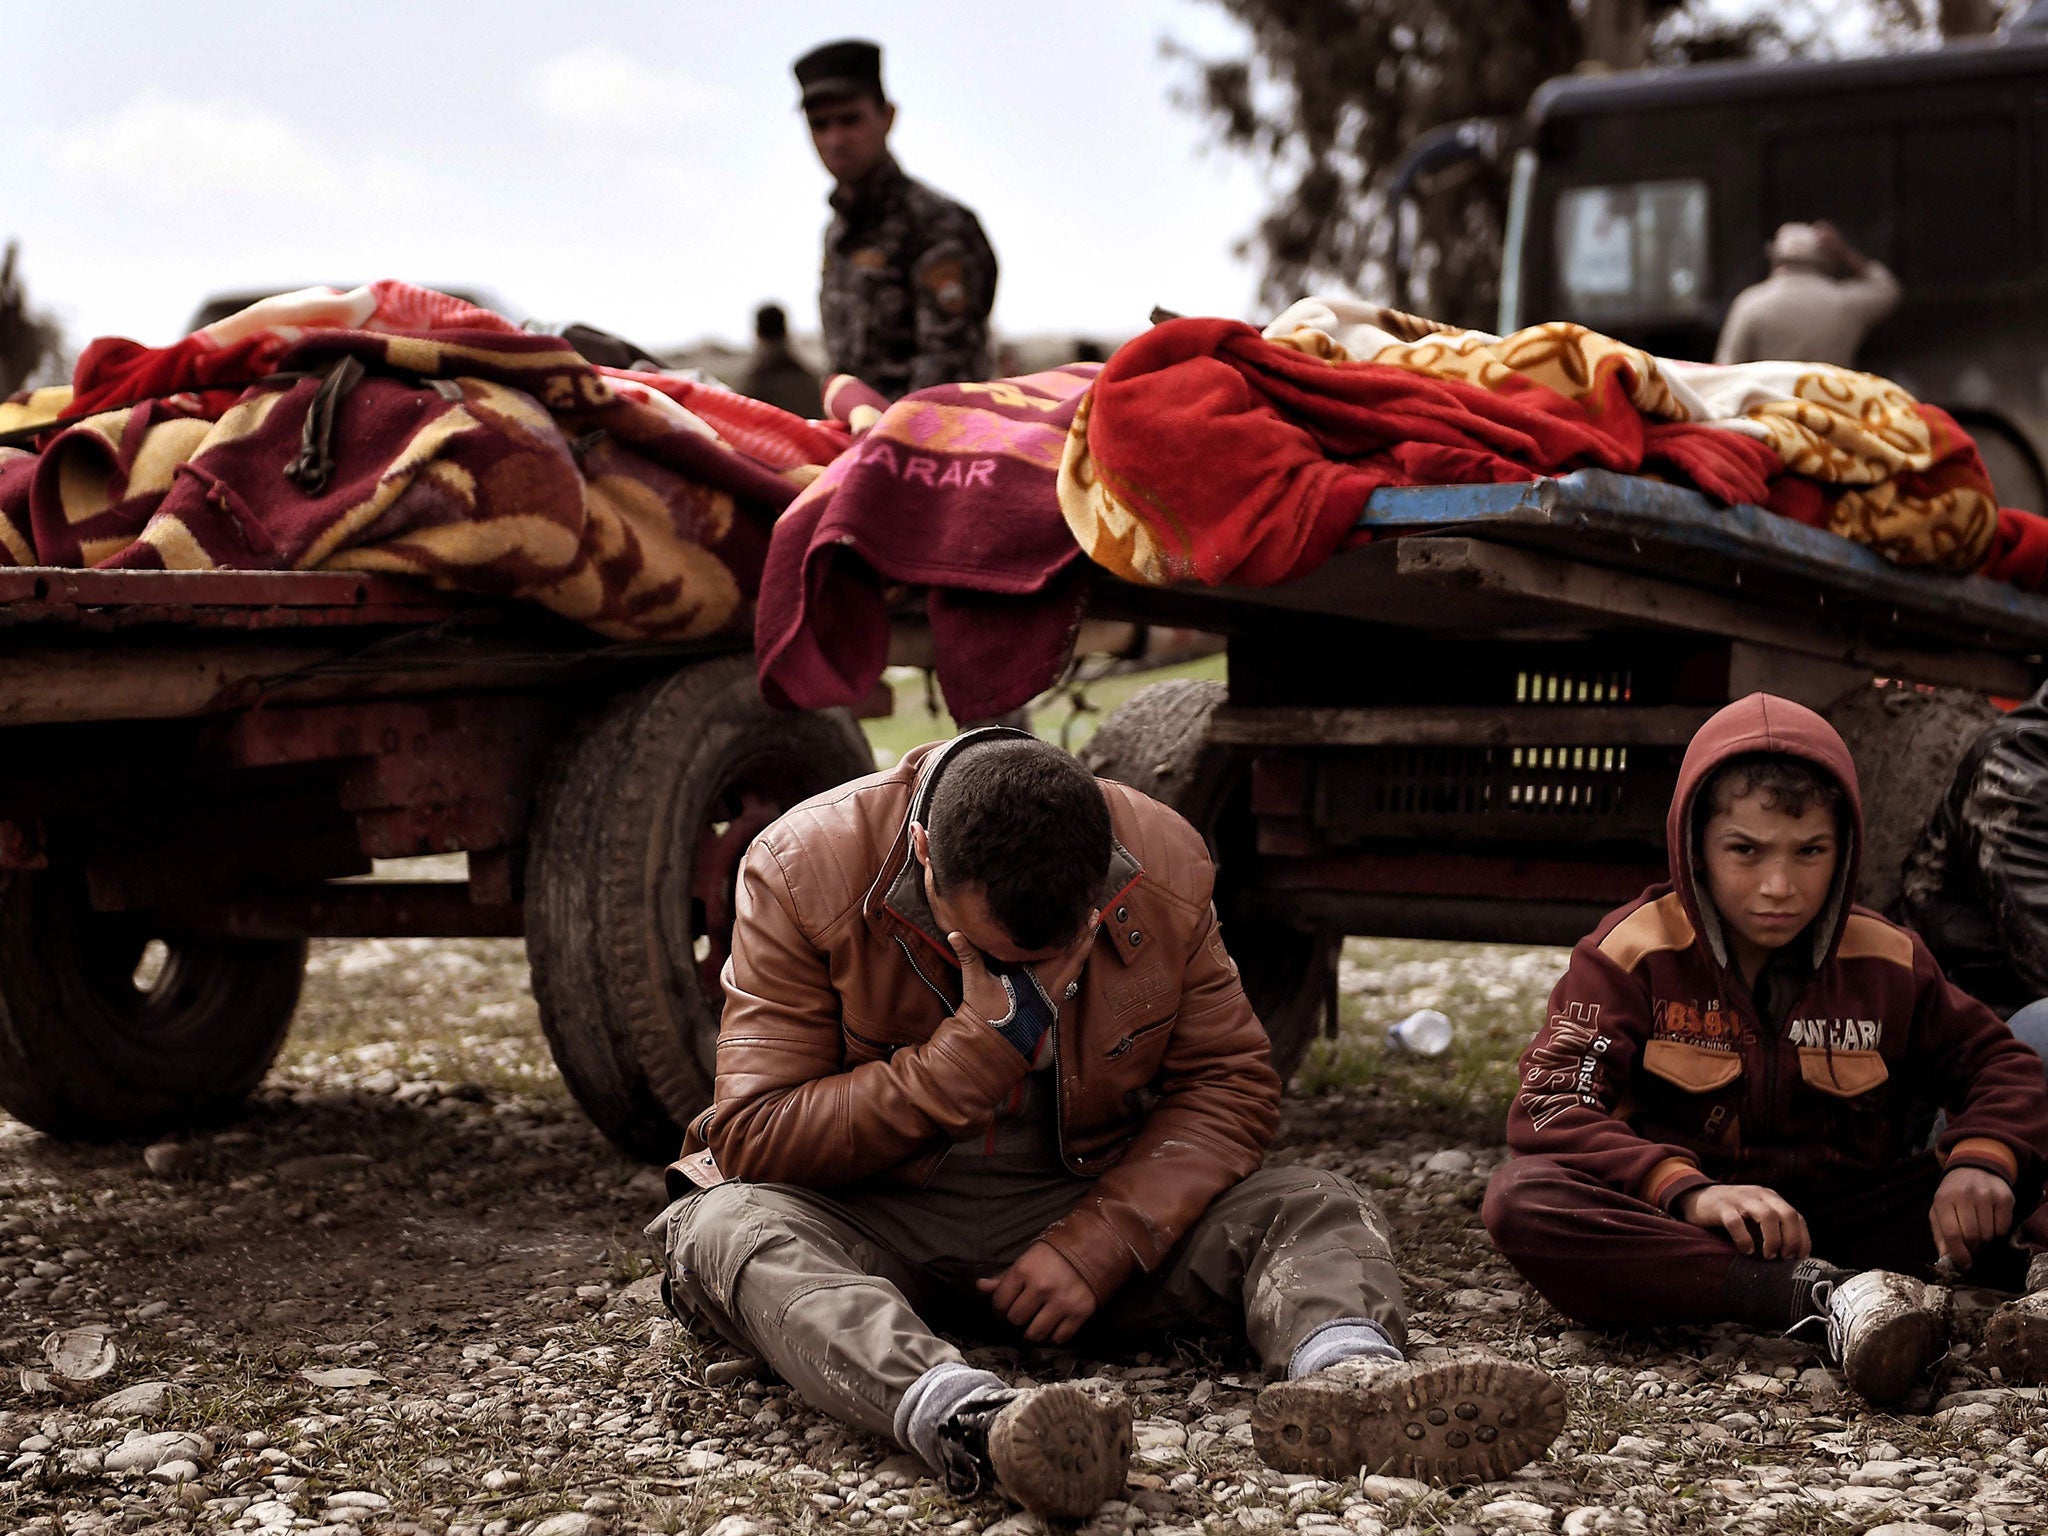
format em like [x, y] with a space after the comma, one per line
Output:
[474, 455]
[952, 489]
[1211, 452]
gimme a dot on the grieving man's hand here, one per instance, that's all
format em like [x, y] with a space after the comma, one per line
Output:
[1759, 1221]
[1971, 1207]
[1042, 1294]
[979, 987]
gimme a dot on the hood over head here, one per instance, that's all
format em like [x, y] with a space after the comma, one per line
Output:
[1762, 722]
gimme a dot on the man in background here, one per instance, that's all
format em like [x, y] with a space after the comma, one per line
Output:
[774, 374]
[909, 277]
[1822, 298]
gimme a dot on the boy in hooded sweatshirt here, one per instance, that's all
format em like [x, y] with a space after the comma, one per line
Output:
[1727, 1115]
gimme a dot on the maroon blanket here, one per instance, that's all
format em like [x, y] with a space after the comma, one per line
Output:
[953, 489]
[491, 461]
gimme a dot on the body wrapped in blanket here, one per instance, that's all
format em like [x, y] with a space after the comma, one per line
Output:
[399, 430]
[1210, 452]
[1206, 451]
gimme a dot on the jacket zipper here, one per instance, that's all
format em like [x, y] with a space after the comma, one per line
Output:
[883, 1046]
[1059, 1092]
[1059, 1076]
[1136, 1035]
[951, 1008]
[1773, 1039]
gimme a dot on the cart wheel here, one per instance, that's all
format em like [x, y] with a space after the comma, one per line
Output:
[1156, 741]
[635, 848]
[1906, 743]
[110, 1027]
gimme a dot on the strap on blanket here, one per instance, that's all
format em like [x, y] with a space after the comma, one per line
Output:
[315, 463]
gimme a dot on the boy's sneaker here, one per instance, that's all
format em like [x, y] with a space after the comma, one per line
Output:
[2016, 1340]
[1055, 1450]
[1471, 1418]
[1884, 1331]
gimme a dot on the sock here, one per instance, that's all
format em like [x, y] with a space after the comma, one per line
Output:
[1343, 1338]
[1776, 1294]
[935, 1397]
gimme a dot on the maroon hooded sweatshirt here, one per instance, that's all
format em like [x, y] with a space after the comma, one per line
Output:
[1657, 1073]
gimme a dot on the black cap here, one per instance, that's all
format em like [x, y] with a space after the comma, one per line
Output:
[852, 67]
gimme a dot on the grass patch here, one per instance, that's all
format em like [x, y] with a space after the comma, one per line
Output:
[1495, 996]
[1067, 715]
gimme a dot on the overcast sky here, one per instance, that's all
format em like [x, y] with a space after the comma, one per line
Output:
[638, 164]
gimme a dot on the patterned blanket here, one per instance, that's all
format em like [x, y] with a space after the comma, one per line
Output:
[950, 489]
[1210, 452]
[331, 431]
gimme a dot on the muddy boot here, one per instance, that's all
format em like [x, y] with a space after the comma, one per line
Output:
[1055, 1450]
[1472, 1418]
[1884, 1331]
[2016, 1338]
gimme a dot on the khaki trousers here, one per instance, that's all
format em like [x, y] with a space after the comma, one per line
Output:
[834, 1291]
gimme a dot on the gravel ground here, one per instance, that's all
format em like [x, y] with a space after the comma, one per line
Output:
[408, 1292]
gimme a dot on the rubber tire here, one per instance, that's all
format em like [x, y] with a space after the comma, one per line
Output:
[1157, 741]
[630, 1007]
[2014, 474]
[1906, 743]
[87, 1056]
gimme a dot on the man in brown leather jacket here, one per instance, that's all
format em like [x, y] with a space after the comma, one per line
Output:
[985, 1057]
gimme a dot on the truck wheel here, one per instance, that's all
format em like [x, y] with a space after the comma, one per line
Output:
[110, 1028]
[635, 846]
[1906, 743]
[1157, 742]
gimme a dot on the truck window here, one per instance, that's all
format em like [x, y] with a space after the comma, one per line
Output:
[1632, 250]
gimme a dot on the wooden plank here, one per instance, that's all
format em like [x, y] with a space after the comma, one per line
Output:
[1654, 522]
[1485, 919]
[58, 585]
[1467, 565]
[1523, 725]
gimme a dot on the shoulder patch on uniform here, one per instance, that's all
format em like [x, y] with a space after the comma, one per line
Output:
[946, 282]
[1646, 931]
[1872, 938]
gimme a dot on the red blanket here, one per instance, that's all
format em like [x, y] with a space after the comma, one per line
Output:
[1267, 457]
[1210, 453]
[952, 489]
[486, 460]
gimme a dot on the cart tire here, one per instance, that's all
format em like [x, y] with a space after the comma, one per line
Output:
[1157, 742]
[95, 1048]
[1906, 743]
[636, 843]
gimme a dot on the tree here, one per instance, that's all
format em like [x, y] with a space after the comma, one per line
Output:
[1333, 92]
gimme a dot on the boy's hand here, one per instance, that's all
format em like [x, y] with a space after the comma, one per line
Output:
[1759, 1221]
[1971, 1207]
[1042, 1294]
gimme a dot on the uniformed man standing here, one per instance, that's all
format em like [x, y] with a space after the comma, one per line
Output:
[909, 277]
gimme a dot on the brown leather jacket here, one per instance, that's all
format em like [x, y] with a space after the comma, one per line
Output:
[846, 1051]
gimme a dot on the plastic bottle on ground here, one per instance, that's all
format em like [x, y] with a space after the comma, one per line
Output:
[1424, 1032]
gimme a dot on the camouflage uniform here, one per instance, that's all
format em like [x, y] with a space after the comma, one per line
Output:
[908, 282]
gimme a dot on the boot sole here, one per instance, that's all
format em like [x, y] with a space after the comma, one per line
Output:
[1062, 1452]
[1454, 1421]
[2016, 1341]
[1894, 1355]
